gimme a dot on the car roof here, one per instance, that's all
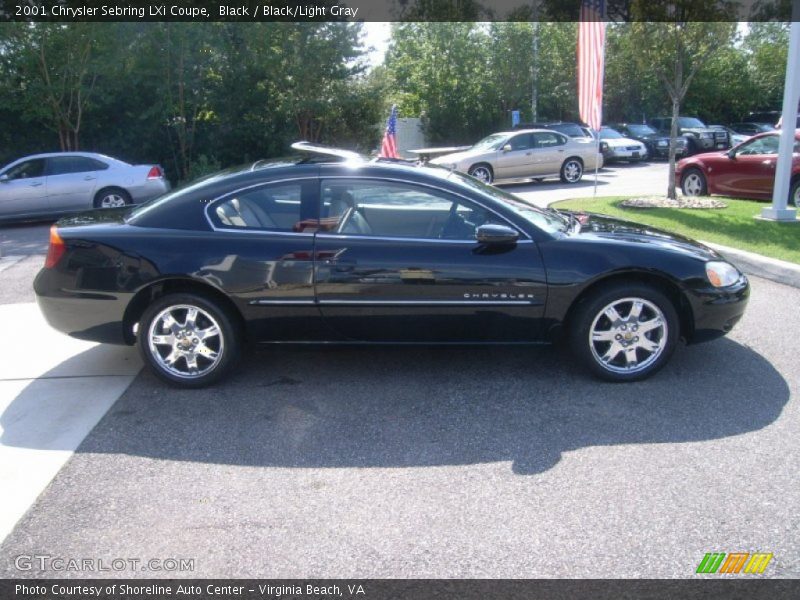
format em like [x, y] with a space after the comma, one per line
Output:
[69, 153]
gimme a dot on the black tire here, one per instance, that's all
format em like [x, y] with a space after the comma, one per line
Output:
[226, 344]
[572, 170]
[693, 183]
[794, 194]
[651, 349]
[111, 197]
[483, 172]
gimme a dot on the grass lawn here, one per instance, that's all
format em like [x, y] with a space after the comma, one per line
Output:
[733, 226]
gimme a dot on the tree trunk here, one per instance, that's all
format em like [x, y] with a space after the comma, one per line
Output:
[673, 135]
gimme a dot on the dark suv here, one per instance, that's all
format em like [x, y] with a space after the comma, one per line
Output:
[573, 130]
[699, 138]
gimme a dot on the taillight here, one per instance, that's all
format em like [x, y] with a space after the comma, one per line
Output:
[155, 172]
[56, 249]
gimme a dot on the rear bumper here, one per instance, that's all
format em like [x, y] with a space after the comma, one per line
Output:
[85, 316]
[153, 188]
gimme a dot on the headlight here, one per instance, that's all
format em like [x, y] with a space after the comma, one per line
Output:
[721, 274]
[707, 136]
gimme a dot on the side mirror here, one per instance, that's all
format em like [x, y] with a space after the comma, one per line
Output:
[506, 148]
[4, 178]
[731, 153]
[496, 234]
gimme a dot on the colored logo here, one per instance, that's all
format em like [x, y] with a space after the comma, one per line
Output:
[735, 562]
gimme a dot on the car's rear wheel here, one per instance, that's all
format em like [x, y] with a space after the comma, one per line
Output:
[794, 194]
[694, 183]
[624, 332]
[188, 340]
[111, 198]
[482, 172]
[571, 170]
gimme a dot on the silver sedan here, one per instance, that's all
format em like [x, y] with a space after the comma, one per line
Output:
[526, 154]
[63, 182]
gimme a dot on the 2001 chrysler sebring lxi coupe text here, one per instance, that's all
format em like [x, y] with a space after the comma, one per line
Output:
[338, 248]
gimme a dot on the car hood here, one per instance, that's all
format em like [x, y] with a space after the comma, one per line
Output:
[606, 228]
[620, 142]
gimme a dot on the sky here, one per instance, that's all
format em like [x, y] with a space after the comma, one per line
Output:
[377, 37]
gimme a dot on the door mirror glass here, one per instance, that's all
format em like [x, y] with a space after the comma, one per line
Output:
[492, 233]
[732, 153]
[506, 148]
[3, 178]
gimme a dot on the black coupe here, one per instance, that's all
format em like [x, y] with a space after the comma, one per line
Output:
[331, 247]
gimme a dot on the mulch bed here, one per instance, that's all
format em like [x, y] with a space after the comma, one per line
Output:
[664, 202]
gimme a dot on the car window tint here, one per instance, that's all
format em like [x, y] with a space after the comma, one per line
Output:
[27, 169]
[275, 208]
[63, 165]
[546, 139]
[521, 142]
[385, 209]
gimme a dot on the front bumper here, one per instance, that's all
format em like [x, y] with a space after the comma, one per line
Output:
[717, 310]
[625, 153]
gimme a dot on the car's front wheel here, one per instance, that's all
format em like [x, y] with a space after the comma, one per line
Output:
[694, 183]
[624, 332]
[571, 170]
[188, 340]
[482, 172]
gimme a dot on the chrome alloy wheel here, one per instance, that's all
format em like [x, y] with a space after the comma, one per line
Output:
[573, 171]
[112, 201]
[794, 199]
[628, 335]
[693, 184]
[185, 341]
[482, 173]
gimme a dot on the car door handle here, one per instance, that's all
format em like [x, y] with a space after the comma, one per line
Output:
[89, 178]
[767, 162]
[36, 184]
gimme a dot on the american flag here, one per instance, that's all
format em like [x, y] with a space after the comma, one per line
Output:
[389, 144]
[591, 56]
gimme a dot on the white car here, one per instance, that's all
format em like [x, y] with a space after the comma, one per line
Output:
[525, 154]
[618, 147]
[64, 182]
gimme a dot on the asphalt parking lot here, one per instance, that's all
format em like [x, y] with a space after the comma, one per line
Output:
[434, 462]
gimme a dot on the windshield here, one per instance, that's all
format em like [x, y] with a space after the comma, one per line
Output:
[641, 129]
[492, 142]
[544, 219]
[606, 133]
[690, 122]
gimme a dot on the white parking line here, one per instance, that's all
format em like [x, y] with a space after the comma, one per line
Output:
[53, 391]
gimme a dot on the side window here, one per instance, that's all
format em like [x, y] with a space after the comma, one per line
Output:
[27, 170]
[547, 139]
[386, 209]
[63, 165]
[764, 145]
[273, 208]
[521, 142]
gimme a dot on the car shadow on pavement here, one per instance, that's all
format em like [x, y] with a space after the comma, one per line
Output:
[423, 406]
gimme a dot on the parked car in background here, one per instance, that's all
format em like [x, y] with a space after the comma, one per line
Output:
[573, 130]
[44, 185]
[699, 138]
[770, 117]
[618, 147]
[657, 143]
[746, 171]
[525, 154]
[376, 252]
[751, 129]
[736, 138]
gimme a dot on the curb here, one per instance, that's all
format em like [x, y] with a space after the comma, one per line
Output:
[765, 267]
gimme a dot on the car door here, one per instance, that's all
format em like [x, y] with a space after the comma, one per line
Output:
[399, 262]
[71, 182]
[549, 148]
[22, 189]
[751, 172]
[265, 237]
[515, 158]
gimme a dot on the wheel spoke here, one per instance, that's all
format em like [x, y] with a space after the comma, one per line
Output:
[603, 336]
[636, 310]
[613, 315]
[649, 345]
[191, 362]
[650, 325]
[204, 334]
[206, 352]
[163, 340]
[172, 357]
[191, 317]
[611, 353]
[168, 322]
[630, 357]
